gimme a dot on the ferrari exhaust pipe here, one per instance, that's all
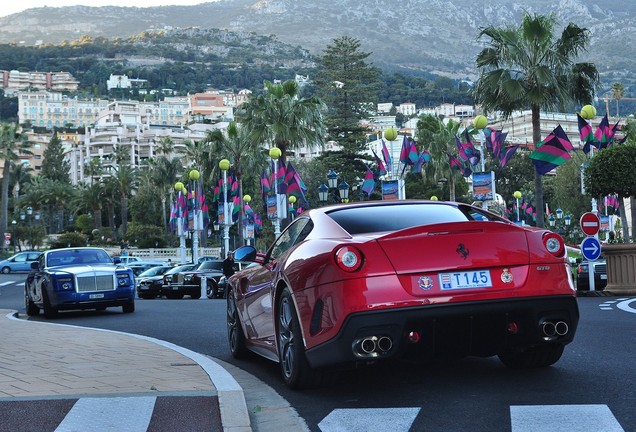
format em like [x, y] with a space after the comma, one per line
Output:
[385, 344]
[368, 345]
[561, 328]
[549, 329]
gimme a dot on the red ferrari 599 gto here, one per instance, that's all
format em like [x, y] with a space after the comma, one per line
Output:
[376, 280]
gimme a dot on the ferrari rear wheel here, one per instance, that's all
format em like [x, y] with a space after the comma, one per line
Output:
[235, 335]
[293, 363]
[533, 357]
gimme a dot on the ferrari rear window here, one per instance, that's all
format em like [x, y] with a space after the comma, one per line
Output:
[361, 220]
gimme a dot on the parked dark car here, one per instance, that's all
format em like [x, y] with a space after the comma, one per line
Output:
[189, 282]
[149, 283]
[173, 279]
[141, 266]
[78, 278]
[583, 276]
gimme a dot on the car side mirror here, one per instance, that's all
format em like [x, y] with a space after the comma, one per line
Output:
[35, 265]
[117, 260]
[245, 253]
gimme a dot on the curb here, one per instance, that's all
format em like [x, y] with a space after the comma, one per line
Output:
[232, 405]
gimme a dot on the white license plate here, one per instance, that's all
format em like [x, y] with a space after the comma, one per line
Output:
[604, 276]
[175, 288]
[465, 280]
[95, 296]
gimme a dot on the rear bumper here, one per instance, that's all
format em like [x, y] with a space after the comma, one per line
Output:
[474, 328]
[180, 289]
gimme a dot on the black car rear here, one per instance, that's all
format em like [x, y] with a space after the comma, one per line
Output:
[583, 276]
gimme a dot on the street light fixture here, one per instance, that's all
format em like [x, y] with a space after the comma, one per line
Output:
[323, 193]
[29, 211]
[13, 224]
[343, 191]
[552, 221]
[559, 213]
[332, 179]
[568, 220]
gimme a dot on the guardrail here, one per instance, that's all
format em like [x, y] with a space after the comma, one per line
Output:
[164, 254]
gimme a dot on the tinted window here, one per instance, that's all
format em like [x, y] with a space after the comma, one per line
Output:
[397, 217]
[211, 265]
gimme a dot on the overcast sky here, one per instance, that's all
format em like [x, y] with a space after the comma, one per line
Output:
[12, 6]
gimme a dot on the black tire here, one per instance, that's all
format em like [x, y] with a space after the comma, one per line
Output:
[215, 290]
[50, 312]
[128, 307]
[294, 367]
[31, 308]
[6, 270]
[235, 335]
[209, 289]
[532, 358]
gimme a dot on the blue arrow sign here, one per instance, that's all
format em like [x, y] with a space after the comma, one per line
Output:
[591, 248]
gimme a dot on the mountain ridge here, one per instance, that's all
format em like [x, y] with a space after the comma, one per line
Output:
[405, 37]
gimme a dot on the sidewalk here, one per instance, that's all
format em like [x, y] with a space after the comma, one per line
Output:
[39, 359]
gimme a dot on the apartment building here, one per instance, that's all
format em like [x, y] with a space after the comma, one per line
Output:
[14, 81]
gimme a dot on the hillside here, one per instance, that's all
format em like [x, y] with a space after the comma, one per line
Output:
[410, 36]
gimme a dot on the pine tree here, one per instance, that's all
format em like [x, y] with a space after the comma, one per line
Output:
[54, 166]
[348, 86]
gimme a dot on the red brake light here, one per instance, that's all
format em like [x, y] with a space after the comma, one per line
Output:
[554, 244]
[349, 258]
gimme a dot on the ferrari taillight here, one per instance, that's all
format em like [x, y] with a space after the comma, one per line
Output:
[554, 244]
[349, 258]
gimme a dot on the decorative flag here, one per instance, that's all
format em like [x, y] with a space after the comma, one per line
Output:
[368, 185]
[388, 162]
[295, 185]
[423, 158]
[381, 167]
[506, 154]
[280, 180]
[457, 164]
[408, 154]
[585, 133]
[552, 152]
[467, 151]
[495, 140]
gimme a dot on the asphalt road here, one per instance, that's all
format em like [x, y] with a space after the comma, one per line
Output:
[590, 389]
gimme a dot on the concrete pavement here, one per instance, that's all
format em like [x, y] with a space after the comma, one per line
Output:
[42, 360]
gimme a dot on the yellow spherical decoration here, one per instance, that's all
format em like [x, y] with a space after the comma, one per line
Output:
[588, 112]
[224, 164]
[194, 175]
[517, 194]
[480, 122]
[247, 198]
[391, 134]
[292, 199]
[178, 186]
[274, 153]
[434, 198]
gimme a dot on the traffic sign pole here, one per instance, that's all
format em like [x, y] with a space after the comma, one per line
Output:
[591, 247]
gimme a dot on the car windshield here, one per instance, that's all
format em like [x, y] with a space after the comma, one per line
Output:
[362, 220]
[180, 268]
[77, 256]
[155, 271]
[211, 265]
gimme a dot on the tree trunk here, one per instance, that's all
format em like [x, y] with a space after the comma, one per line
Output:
[624, 219]
[538, 180]
[451, 186]
[632, 206]
[124, 215]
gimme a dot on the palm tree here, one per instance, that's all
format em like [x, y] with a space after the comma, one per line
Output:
[164, 173]
[12, 144]
[526, 67]
[618, 92]
[242, 152]
[126, 180]
[283, 118]
[90, 199]
[439, 139]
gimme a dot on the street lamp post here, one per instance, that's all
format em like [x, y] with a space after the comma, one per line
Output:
[197, 222]
[517, 195]
[29, 214]
[224, 165]
[179, 187]
[13, 224]
[275, 154]
[248, 228]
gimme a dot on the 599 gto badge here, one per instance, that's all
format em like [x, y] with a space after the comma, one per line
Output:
[425, 282]
[506, 276]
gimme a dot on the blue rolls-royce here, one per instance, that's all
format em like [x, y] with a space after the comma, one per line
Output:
[78, 278]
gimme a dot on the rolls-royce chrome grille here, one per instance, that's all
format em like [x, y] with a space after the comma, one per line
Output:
[87, 283]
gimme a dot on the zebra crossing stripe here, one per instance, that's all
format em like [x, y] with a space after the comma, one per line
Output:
[108, 414]
[368, 419]
[563, 418]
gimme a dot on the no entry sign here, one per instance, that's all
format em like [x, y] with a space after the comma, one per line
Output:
[590, 223]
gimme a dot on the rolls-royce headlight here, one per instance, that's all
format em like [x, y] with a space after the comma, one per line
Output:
[187, 278]
[123, 280]
[66, 284]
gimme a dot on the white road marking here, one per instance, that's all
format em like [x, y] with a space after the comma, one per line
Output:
[369, 419]
[6, 283]
[130, 414]
[624, 305]
[563, 418]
